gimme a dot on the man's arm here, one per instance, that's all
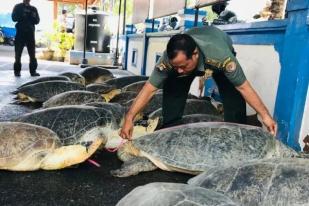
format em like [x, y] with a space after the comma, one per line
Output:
[35, 18]
[139, 103]
[16, 14]
[256, 103]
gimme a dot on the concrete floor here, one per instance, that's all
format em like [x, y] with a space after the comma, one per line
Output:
[84, 184]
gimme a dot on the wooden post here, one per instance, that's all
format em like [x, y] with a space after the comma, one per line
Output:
[55, 9]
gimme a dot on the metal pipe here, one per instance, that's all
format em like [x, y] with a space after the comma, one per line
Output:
[117, 40]
[124, 17]
[85, 61]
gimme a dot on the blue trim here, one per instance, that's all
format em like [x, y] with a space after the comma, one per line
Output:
[134, 57]
[126, 54]
[294, 77]
[297, 5]
[144, 66]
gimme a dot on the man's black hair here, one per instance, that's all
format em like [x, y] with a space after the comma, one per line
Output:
[180, 42]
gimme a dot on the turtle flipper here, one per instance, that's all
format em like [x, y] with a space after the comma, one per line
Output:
[66, 156]
[133, 167]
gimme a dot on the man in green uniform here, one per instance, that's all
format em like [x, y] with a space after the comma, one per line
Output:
[199, 52]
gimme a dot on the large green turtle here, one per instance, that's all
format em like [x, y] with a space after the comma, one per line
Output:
[27, 147]
[76, 97]
[174, 194]
[75, 77]
[121, 73]
[44, 79]
[271, 182]
[123, 97]
[96, 75]
[72, 122]
[193, 106]
[107, 91]
[134, 87]
[121, 82]
[42, 91]
[119, 112]
[186, 119]
[198, 147]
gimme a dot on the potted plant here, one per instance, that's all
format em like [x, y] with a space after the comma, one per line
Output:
[48, 52]
[64, 42]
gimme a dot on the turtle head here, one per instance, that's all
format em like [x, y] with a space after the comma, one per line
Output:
[21, 97]
[109, 95]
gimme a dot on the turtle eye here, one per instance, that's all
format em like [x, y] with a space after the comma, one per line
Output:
[86, 144]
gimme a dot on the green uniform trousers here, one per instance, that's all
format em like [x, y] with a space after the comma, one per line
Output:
[175, 93]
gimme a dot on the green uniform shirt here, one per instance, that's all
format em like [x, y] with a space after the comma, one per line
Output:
[216, 53]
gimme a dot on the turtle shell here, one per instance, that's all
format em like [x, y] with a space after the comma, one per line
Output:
[283, 181]
[200, 146]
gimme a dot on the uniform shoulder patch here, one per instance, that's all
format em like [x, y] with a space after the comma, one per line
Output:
[230, 66]
[164, 66]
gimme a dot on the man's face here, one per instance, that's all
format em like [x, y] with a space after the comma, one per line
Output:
[184, 65]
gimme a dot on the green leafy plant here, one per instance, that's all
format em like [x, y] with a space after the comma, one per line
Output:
[59, 41]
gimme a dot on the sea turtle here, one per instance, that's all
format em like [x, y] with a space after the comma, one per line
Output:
[116, 109]
[123, 97]
[107, 91]
[75, 77]
[121, 82]
[134, 87]
[121, 73]
[272, 182]
[172, 194]
[187, 119]
[44, 79]
[96, 75]
[76, 97]
[197, 147]
[42, 91]
[72, 122]
[119, 112]
[154, 104]
[28, 147]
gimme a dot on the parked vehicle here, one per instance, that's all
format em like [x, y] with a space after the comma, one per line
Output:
[9, 34]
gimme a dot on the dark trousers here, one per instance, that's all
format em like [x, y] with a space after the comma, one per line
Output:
[175, 93]
[23, 39]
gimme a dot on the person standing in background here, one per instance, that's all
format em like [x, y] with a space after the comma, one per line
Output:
[26, 17]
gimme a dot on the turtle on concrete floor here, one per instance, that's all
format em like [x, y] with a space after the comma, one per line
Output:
[44, 79]
[193, 106]
[121, 73]
[123, 97]
[28, 147]
[72, 122]
[75, 77]
[116, 109]
[119, 112]
[105, 90]
[42, 91]
[121, 82]
[76, 97]
[134, 87]
[173, 194]
[198, 147]
[187, 119]
[271, 182]
[96, 75]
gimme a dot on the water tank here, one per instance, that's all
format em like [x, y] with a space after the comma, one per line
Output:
[98, 34]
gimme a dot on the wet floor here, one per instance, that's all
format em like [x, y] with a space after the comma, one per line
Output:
[85, 184]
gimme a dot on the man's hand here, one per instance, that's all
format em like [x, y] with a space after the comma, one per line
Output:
[127, 129]
[270, 124]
